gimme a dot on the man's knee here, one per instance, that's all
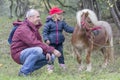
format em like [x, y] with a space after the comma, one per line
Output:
[38, 51]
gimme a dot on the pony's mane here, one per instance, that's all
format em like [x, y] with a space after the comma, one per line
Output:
[91, 15]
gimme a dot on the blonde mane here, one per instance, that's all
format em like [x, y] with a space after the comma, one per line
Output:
[91, 15]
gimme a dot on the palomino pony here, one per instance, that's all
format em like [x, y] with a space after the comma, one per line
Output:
[90, 35]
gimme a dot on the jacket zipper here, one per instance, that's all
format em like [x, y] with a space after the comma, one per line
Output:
[56, 32]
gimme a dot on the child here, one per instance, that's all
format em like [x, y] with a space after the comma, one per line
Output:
[52, 33]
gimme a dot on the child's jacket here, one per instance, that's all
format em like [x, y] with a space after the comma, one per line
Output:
[53, 31]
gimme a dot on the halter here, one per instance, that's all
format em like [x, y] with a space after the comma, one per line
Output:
[85, 25]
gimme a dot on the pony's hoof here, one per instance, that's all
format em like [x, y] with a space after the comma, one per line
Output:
[80, 68]
[89, 68]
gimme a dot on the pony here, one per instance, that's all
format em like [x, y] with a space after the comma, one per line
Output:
[91, 35]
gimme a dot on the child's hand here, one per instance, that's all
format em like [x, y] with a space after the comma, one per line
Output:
[56, 53]
[47, 42]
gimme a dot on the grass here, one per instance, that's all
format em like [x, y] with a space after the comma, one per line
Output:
[9, 69]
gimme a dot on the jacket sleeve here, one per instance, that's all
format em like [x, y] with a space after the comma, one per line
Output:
[32, 41]
[45, 32]
[67, 28]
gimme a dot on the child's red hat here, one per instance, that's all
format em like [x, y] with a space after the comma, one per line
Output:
[55, 10]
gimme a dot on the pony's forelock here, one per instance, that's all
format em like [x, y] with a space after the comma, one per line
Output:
[91, 15]
[78, 17]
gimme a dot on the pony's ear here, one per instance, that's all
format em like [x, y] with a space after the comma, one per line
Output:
[82, 14]
[86, 14]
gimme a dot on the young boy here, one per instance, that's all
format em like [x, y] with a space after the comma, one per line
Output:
[52, 33]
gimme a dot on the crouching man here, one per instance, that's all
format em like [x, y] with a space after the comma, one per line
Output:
[27, 47]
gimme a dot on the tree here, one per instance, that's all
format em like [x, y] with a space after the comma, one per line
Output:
[68, 6]
[93, 5]
[21, 7]
[47, 4]
[11, 8]
[115, 12]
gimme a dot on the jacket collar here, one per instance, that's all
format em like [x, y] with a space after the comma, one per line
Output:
[15, 23]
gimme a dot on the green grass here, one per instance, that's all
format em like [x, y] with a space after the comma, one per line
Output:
[9, 70]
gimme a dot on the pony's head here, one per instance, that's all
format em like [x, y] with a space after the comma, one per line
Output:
[86, 17]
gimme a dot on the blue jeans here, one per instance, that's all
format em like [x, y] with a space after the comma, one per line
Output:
[32, 59]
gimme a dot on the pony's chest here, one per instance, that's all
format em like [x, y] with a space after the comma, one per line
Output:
[79, 44]
[79, 40]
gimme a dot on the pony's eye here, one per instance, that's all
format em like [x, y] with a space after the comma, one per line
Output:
[89, 21]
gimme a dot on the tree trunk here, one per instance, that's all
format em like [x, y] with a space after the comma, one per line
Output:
[93, 5]
[11, 7]
[114, 15]
[116, 6]
[46, 6]
[48, 3]
[79, 5]
[21, 8]
[97, 9]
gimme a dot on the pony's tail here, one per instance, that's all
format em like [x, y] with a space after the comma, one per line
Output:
[110, 40]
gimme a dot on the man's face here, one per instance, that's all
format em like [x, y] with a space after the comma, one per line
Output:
[36, 18]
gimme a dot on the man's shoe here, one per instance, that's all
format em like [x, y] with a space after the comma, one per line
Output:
[50, 68]
[22, 74]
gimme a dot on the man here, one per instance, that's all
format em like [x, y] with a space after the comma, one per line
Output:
[27, 47]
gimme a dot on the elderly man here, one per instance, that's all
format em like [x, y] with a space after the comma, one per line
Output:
[27, 47]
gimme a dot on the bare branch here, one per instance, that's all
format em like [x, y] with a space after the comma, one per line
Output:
[11, 5]
[45, 5]
[48, 2]
[75, 9]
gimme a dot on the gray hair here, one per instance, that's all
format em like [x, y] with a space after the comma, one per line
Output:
[30, 13]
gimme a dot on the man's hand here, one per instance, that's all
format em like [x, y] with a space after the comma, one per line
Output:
[56, 53]
[47, 42]
[48, 57]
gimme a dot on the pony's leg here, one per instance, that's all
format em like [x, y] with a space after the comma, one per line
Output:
[79, 60]
[106, 56]
[88, 61]
[111, 54]
[110, 51]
